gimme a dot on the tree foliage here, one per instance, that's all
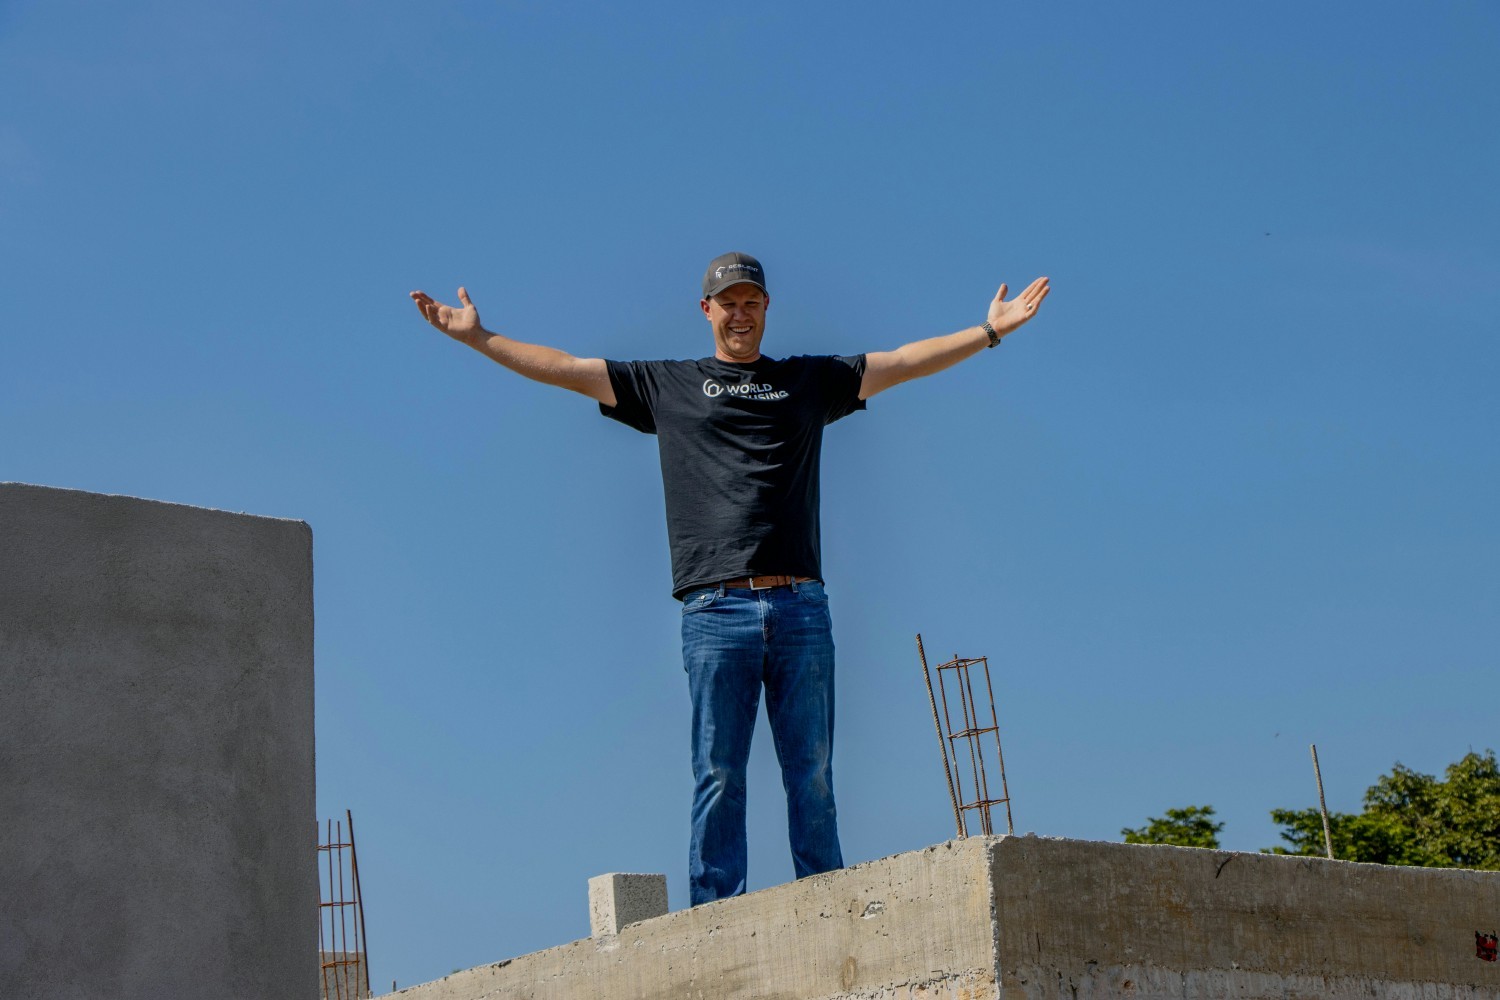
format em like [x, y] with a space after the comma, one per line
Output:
[1189, 827]
[1412, 818]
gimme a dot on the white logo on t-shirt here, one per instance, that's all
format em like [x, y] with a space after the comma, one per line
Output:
[744, 390]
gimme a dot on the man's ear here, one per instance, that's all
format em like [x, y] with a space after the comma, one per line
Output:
[703, 304]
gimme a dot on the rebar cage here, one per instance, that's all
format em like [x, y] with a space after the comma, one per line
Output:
[976, 723]
[343, 959]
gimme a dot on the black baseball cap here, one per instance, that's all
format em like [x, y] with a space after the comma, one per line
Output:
[733, 269]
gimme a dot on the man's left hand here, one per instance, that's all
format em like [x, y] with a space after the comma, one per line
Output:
[1005, 317]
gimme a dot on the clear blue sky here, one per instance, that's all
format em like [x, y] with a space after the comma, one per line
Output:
[1233, 492]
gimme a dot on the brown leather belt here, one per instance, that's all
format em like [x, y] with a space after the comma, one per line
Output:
[763, 582]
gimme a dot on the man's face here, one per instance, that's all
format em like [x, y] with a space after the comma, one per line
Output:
[738, 317]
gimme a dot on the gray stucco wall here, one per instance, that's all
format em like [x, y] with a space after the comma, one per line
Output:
[157, 813]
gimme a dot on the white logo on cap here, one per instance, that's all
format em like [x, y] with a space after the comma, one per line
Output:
[719, 271]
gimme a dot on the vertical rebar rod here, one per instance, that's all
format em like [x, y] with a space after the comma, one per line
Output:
[322, 943]
[966, 696]
[333, 941]
[1322, 805]
[1010, 826]
[963, 800]
[958, 775]
[344, 915]
[343, 978]
[958, 816]
[983, 796]
[361, 937]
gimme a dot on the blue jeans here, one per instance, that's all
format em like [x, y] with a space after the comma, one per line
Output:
[733, 643]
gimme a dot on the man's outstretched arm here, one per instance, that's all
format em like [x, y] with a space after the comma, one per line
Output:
[884, 369]
[542, 364]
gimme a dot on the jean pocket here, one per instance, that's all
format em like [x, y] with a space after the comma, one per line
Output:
[697, 600]
[812, 592]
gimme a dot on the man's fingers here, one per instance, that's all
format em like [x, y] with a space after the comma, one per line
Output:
[1034, 293]
[425, 305]
[435, 312]
[1000, 295]
[463, 296]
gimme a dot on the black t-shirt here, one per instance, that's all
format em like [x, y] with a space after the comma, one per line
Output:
[740, 445]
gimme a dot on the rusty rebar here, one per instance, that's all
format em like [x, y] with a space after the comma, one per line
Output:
[958, 775]
[1010, 826]
[973, 732]
[958, 816]
[344, 913]
[338, 988]
[361, 936]
[322, 949]
[1322, 806]
[333, 936]
[957, 666]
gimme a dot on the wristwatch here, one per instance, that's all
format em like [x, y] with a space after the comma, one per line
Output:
[990, 330]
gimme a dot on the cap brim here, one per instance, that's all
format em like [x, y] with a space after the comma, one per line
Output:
[715, 289]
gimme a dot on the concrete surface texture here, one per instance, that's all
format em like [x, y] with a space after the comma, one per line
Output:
[1034, 918]
[618, 899]
[156, 751]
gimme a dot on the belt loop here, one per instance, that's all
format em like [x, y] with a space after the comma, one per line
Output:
[794, 583]
[721, 588]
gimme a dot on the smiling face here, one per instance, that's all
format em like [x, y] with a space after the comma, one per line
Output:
[738, 317]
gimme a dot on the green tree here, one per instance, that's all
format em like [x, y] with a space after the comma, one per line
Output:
[1190, 827]
[1412, 818]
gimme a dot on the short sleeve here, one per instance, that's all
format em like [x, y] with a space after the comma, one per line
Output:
[635, 395]
[842, 382]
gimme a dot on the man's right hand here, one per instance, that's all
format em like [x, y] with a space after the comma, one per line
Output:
[548, 365]
[460, 324]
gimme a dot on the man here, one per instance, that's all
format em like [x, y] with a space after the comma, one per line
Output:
[740, 436]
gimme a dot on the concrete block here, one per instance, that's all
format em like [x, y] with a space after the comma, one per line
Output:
[618, 899]
[158, 831]
[1031, 918]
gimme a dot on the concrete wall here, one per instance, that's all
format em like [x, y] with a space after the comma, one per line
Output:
[1025, 917]
[915, 925]
[1095, 921]
[157, 816]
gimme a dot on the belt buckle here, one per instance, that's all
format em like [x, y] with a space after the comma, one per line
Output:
[768, 586]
